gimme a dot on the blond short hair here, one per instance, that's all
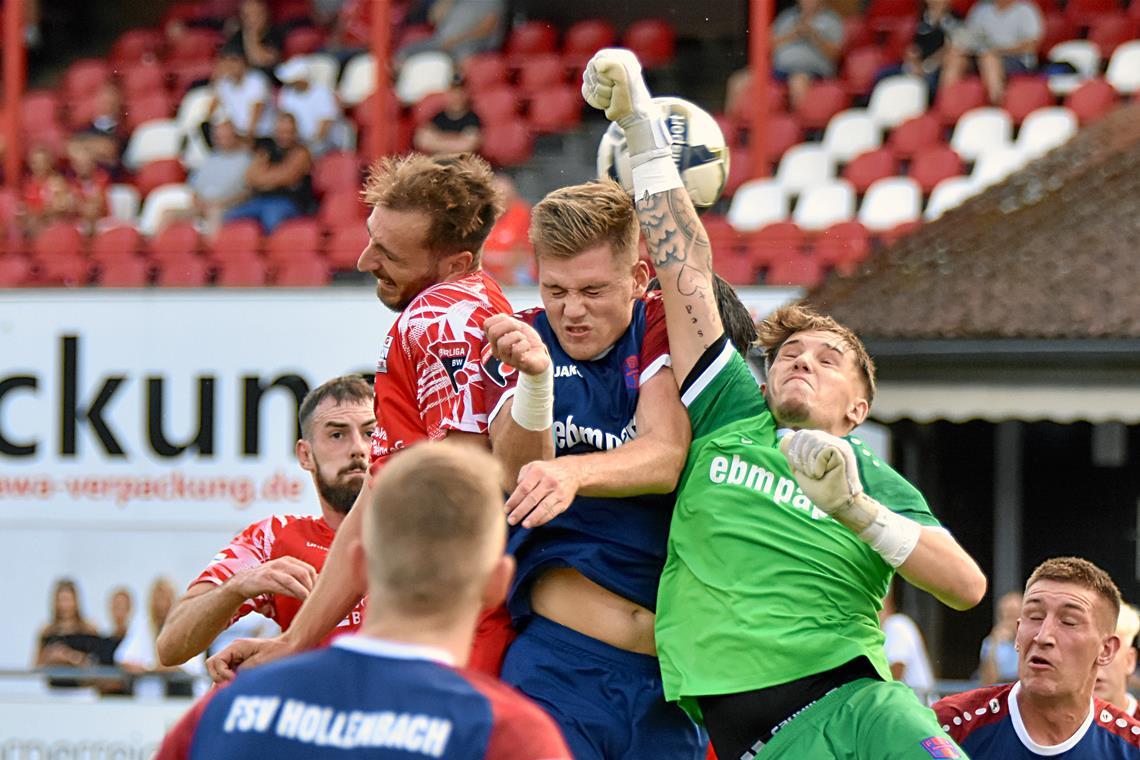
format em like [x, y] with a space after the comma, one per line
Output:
[786, 321]
[1127, 624]
[455, 191]
[579, 217]
[434, 527]
[1080, 572]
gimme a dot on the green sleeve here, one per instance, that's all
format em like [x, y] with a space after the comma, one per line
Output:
[890, 489]
[720, 390]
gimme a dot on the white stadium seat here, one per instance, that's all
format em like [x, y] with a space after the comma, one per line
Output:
[756, 203]
[194, 108]
[889, 202]
[358, 80]
[981, 130]
[947, 194]
[1045, 129]
[151, 141]
[323, 69]
[423, 74]
[1124, 67]
[804, 165]
[850, 133]
[823, 205]
[123, 202]
[163, 199]
[896, 99]
[1082, 55]
[995, 166]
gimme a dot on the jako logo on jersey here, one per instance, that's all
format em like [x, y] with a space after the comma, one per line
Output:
[941, 747]
[632, 372]
[452, 354]
[567, 370]
[493, 369]
[382, 362]
[567, 435]
[739, 472]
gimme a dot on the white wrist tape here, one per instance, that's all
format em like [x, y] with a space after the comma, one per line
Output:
[891, 535]
[533, 405]
[650, 155]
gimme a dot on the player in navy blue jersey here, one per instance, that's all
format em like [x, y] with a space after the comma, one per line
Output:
[1066, 633]
[433, 541]
[586, 418]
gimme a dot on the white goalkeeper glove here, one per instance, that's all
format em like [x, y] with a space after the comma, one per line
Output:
[825, 467]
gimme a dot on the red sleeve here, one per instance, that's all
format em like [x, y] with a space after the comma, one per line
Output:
[176, 744]
[499, 379]
[250, 548]
[520, 729]
[493, 635]
[961, 714]
[655, 343]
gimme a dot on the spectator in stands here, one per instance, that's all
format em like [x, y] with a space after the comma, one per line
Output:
[244, 95]
[280, 177]
[121, 606]
[1000, 38]
[462, 29]
[314, 106]
[89, 185]
[219, 181]
[350, 30]
[256, 37]
[106, 134]
[47, 195]
[999, 653]
[455, 129]
[905, 648]
[806, 41]
[507, 254]
[69, 640]
[137, 654]
[936, 27]
[1112, 679]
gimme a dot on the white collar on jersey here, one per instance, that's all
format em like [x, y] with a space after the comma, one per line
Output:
[397, 650]
[1043, 749]
[1130, 704]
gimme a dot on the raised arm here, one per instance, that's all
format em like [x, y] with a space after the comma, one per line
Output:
[678, 245]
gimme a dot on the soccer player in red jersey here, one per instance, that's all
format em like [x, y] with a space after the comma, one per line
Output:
[271, 566]
[429, 219]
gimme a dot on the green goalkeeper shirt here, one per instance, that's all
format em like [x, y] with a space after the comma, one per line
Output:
[760, 586]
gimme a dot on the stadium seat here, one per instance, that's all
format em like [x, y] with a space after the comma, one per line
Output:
[736, 267]
[428, 107]
[915, 134]
[783, 133]
[1082, 55]
[896, 99]
[825, 204]
[293, 239]
[856, 33]
[1110, 32]
[15, 270]
[39, 110]
[1091, 100]
[142, 78]
[342, 208]
[1085, 13]
[1057, 30]
[531, 38]
[336, 171]
[193, 45]
[323, 69]
[80, 111]
[242, 273]
[842, 246]
[152, 141]
[899, 34]
[995, 166]
[1046, 129]
[190, 272]
[150, 107]
[292, 13]
[756, 203]
[804, 165]
[934, 164]
[952, 101]
[123, 202]
[124, 272]
[653, 40]
[175, 242]
[193, 108]
[117, 242]
[58, 239]
[422, 74]
[981, 130]
[555, 109]
[496, 104]
[947, 194]
[860, 67]
[1025, 94]
[541, 72]
[164, 172]
[1123, 71]
[825, 98]
[586, 37]
[878, 10]
[164, 200]
[345, 246]
[303, 40]
[890, 202]
[307, 272]
[239, 239]
[796, 270]
[774, 241]
[62, 270]
[484, 71]
[507, 143]
[868, 167]
[358, 80]
[84, 77]
[850, 133]
[136, 45]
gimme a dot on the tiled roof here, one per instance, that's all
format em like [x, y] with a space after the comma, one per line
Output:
[1053, 252]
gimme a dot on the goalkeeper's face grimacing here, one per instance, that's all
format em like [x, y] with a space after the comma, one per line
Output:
[815, 383]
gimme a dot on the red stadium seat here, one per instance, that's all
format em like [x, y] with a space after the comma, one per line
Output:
[484, 71]
[933, 164]
[962, 7]
[899, 230]
[155, 105]
[507, 143]
[587, 37]
[428, 106]
[899, 34]
[1109, 32]
[184, 11]
[156, 173]
[725, 239]
[336, 171]
[187, 74]
[342, 208]
[880, 10]
[856, 33]
[1058, 28]
[62, 270]
[1026, 94]
[80, 111]
[774, 241]
[308, 272]
[540, 73]
[189, 272]
[136, 45]
[39, 111]
[824, 99]
[532, 38]
[243, 273]
[777, 100]
[59, 239]
[176, 241]
[653, 40]
[796, 269]
[236, 240]
[345, 246]
[293, 239]
[124, 272]
[496, 105]
[1092, 100]
[914, 134]
[302, 41]
[737, 268]
[783, 132]
[412, 33]
[194, 44]
[142, 78]
[868, 167]
[843, 246]
[1084, 13]
[860, 67]
[556, 109]
[954, 100]
[84, 77]
[739, 171]
[15, 270]
[292, 12]
[116, 243]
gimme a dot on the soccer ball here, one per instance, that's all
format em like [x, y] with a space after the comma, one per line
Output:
[699, 149]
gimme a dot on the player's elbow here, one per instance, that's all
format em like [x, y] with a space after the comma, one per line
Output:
[169, 652]
[969, 590]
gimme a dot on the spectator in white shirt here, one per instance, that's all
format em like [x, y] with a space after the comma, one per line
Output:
[905, 649]
[1001, 37]
[320, 123]
[243, 94]
[219, 181]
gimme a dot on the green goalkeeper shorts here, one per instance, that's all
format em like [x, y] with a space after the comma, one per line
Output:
[865, 719]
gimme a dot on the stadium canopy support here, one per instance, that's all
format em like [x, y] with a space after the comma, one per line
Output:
[378, 139]
[14, 75]
[759, 28]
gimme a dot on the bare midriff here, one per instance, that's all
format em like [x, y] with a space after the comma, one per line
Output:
[571, 599]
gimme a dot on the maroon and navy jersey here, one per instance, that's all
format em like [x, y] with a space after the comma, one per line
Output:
[365, 697]
[303, 537]
[618, 543]
[987, 723]
[428, 377]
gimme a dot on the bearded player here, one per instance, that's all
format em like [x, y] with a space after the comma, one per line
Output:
[271, 566]
[780, 550]
[429, 219]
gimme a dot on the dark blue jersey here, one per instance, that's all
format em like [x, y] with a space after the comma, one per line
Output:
[987, 724]
[365, 697]
[618, 543]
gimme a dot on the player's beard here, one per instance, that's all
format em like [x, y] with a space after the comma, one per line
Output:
[341, 492]
[792, 412]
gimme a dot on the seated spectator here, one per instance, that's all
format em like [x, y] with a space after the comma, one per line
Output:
[999, 652]
[806, 41]
[455, 129]
[1000, 38]
[314, 106]
[121, 607]
[69, 640]
[137, 654]
[280, 178]
[256, 37]
[462, 29]
[507, 253]
[219, 181]
[351, 30]
[936, 27]
[89, 184]
[905, 649]
[106, 134]
[244, 95]
[47, 195]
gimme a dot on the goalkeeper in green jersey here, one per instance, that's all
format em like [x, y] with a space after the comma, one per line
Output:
[786, 530]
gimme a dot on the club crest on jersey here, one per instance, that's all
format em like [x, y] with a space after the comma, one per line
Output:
[632, 370]
[382, 362]
[493, 369]
[941, 747]
[452, 354]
